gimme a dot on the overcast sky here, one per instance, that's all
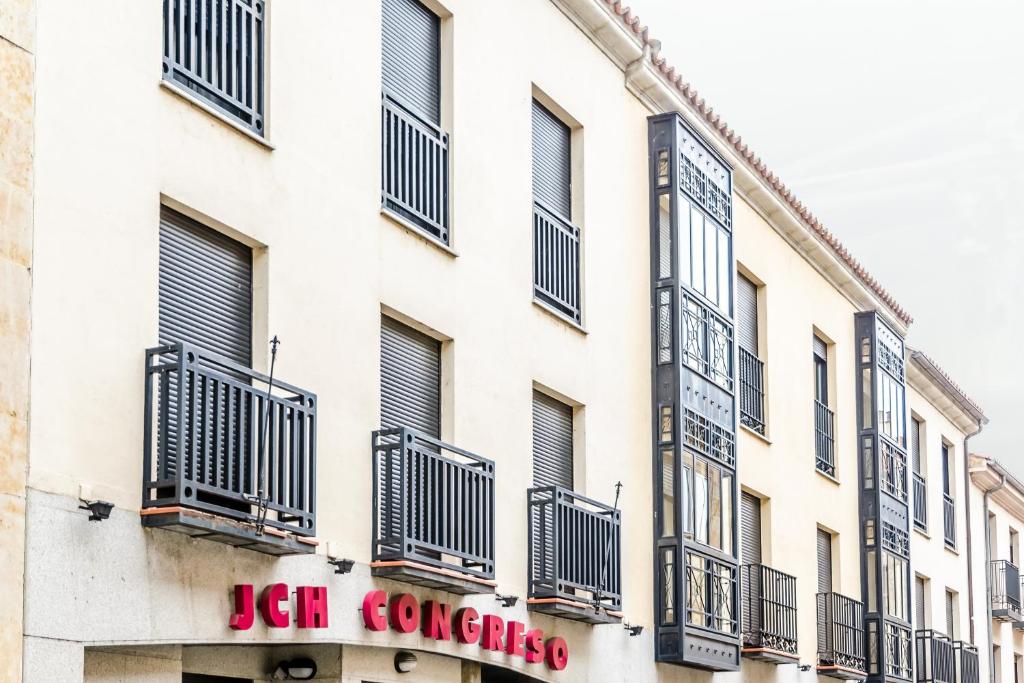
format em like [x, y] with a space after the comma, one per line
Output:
[900, 123]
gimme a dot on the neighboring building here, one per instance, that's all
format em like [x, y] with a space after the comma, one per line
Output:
[564, 383]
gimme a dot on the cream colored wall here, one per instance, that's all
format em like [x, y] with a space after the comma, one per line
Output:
[782, 468]
[17, 86]
[332, 261]
[1009, 639]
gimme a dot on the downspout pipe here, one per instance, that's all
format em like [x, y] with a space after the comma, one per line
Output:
[988, 579]
[967, 517]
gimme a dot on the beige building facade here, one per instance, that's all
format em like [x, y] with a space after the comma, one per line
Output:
[565, 384]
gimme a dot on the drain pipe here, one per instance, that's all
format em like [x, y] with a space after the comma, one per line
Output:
[967, 517]
[988, 579]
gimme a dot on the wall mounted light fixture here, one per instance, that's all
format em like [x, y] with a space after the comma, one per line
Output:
[99, 509]
[405, 662]
[341, 566]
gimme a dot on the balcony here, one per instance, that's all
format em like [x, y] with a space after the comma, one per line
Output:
[840, 637]
[949, 520]
[751, 391]
[824, 439]
[556, 262]
[225, 460]
[575, 546]
[920, 503]
[896, 639]
[768, 610]
[1005, 581]
[433, 513]
[934, 653]
[893, 465]
[414, 170]
[965, 663]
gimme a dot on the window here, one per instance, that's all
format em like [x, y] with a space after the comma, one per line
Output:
[750, 528]
[824, 419]
[410, 379]
[824, 551]
[890, 391]
[1014, 548]
[920, 485]
[556, 241]
[217, 55]
[415, 146]
[948, 502]
[707, 507]
[552, 442]
[951, 614]
[920, 602]
[751, 367]
[894, 587]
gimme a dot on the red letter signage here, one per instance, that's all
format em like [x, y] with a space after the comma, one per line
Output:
[514, 639]
[493, 628]
[270, 605]
[437, 620]
[557, 653]
[467, 631]
[373, 603]
[534, 646]
[245, 611]
[404, 613]
[311, 605]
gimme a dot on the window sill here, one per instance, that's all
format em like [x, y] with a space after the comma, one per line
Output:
[922, 532]
[226, 120]
[827, 477]
[951, 549]
[415, 230]
[561, 317]
[757, 435]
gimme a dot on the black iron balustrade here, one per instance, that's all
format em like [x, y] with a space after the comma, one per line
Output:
[751, 390]
[949, 520]
[896, 640]
[1004, 578]
[414, 169]
[934, 654]
[214, 49]
[824, 439]
[966, 668]
[710, 593]
[556, 261]
[215, 440]
[920, 502]
[840, 636]
[575, 555]
[707, 341]
[433, 506]
[768, 610]
[893, 465]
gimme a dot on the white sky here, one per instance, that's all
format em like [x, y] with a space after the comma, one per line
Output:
[900, 123]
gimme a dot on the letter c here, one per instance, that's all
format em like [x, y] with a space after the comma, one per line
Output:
[373, 603]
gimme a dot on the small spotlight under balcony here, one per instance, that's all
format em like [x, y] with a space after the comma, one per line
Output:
[99, 509]
[634, 631]
[341, 566]
[507, 600]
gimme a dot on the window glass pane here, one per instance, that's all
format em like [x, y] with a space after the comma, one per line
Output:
[686, 481]
[664, 236]
[724, 273]
[668, 500]
[715, 508]
[727, 513]
[697, 232]
[700, 499]
[712, 261]
[668, 578]
[685, 267]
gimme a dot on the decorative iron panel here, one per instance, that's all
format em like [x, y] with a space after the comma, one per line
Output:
[895, 540]
[214, 49]
[707, 342]
[893, 470]
[556, 262]
[705, 179]
[840, 632]
[897, 651]
[710, 593]
[709, 438]
[769, 608]
[751, 391]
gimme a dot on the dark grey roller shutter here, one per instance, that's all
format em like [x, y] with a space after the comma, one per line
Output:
[746, 314]
[915, 444]
[820, 348]
[551, 162]
[205, 288]
[750, 528]
[824, 561]
[919, 599]
[411, 56]
[949, 615]
[552, 442]
[410, 378]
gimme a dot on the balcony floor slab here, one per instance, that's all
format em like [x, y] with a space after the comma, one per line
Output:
[575, 611]
[419, 574]
[230, 532]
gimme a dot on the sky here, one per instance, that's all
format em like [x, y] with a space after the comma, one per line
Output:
[900, 124]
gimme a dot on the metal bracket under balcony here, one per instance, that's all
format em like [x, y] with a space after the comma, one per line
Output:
[221, 457]
[433, 513]
[841, 652]
[575, 556]
[1005, 581]
[769, 614]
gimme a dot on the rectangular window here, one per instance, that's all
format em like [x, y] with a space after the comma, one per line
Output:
[552, 442]
[750, 528]
[824, 418]
[894, 586]
[707, 503]
[410, 379]
[705, 255]
[556, 241]
[824, 548]
[216, 54]
[920, 602]
[414, 174]
[947, 465]
[752, 409]
[951, 629]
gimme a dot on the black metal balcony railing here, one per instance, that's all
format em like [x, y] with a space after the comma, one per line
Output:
[768, 609]
[934, 654]
[214, 441]
[840, 632]
[893, 465]
[897, 643]
[949, 520]
[965, 663]
[556, 261]
[214, 48]
[824, 439]
[414, 168]
[433, 503]
[710, 593]
[920, 502]
[751, 391]
[575, 548]
[1005, 581]
[707, 341]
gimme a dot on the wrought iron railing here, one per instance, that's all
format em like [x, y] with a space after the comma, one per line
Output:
[934, 654]
[1004, 578]
[556, 261]
[965, 663]
[707, 341]
[949, 520]
[893, 465]
[710, 593]
[751, 390]
[897, 642]
[433, 503]
[215, 440]
[575, 548]
[840, 632]
[824, 439]
[768, 608]
[920, 502]
[414, 168]
[214, 49]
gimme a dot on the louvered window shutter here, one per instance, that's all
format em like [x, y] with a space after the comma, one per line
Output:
[411, 56]
[824, 561]
[750, 528]
[551, 162]
[746, 314]
[552, 442]
[410, 379]
[919, 609]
